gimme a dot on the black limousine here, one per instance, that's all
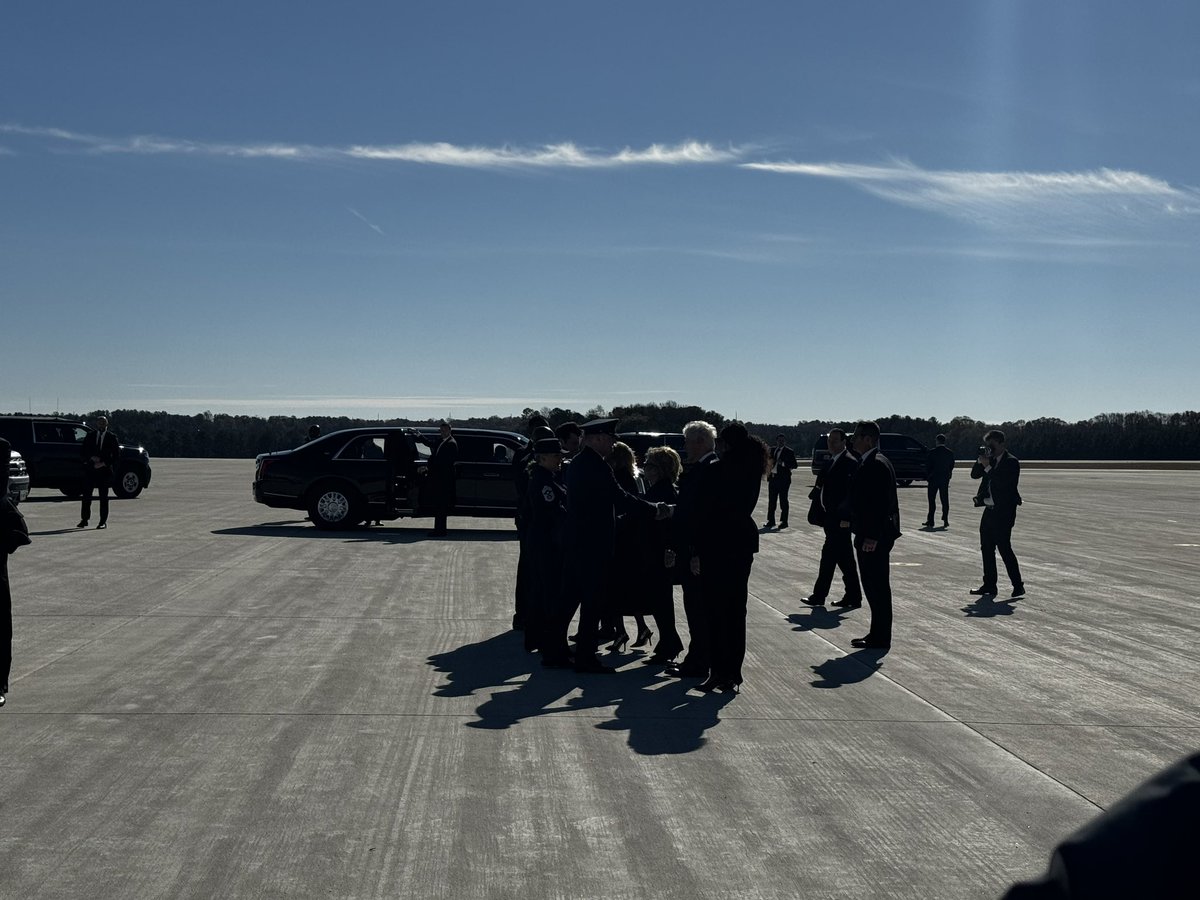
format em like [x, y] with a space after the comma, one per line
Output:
[365, 474]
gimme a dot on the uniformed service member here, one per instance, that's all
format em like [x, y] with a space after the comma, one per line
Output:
[593, 500]
[545, 515]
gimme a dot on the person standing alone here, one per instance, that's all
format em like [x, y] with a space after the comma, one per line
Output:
[99, 455]
[999, 497]
[939, 468]
[779, 482]
[442, 475]
[875, 521]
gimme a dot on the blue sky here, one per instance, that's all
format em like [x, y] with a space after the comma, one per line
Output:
[783, 211]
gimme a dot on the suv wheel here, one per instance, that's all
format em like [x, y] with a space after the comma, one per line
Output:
[128, 484]
[74, 492]
[334, 506]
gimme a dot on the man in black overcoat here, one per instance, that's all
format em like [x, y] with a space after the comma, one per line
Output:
[99, 455]
[537, 428]
[442, 476]
[875, 521]
[939, 467]
[593, 500]
[779, 482]
[544, 521]
[1000, 472]
[838, 550]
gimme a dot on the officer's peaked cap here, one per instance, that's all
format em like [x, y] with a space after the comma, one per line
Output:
[600, 426]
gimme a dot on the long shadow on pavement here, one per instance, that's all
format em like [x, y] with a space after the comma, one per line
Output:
[818, 617]
[850, 669]
[364, 535]
[660, 714]
[986, 607]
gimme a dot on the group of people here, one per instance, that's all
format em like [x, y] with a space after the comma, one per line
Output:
[602, 537]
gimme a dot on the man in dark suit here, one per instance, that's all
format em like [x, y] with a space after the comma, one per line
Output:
[99, 455]
[779, 482]
[699, 441]
[875, 521]
[1000, 472]
[838, 551]
[939, 467]
[589, 537]
[442, 476]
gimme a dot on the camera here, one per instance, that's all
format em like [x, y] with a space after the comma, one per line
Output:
[983, 451]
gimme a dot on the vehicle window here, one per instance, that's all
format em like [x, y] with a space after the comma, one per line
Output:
[501, 452]
[367, 446]
[474, 449]
[913, 444]
[57, 433]
[822, 443]
[890, 442]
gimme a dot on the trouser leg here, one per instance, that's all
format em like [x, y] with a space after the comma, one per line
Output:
[987, 547]
[725, 595]
[1004, 547]
[876, 582]
[694, 609]
[932, 492]
[783, 500]
[944, 491]
[772, 498]
[845, 562]
[828, 564]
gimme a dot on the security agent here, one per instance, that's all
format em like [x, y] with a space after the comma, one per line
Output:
[522, 460]
[779, 482]
[875, 521]
[1000, 473]
[593, 501]
[939, 468]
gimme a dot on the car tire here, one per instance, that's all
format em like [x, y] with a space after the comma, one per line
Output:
[334, 506]
[128, 484]
[904, 482]
[73, 492]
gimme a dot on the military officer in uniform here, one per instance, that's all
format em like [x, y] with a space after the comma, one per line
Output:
[545, 515]
[593, 500]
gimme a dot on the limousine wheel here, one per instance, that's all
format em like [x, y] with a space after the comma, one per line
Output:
[334, 506]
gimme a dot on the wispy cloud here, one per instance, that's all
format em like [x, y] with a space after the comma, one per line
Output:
[354, 212]
[565, 155]
[1048, 200]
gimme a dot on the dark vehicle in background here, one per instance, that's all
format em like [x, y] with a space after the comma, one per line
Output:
[51, 447]
[360, 474]
[18, 478]
[641, 441]
[908, 456]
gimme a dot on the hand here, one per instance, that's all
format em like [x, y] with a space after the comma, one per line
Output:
[843, 524]
[695, 565]
[669, 558]
[869, 545]
[984, 461]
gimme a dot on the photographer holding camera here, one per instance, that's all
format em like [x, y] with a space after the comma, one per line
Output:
[999, 497]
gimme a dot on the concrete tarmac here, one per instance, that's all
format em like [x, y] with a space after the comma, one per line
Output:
[214, 699]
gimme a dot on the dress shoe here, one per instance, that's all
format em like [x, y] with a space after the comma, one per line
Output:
[687, 672]
[813, 601]
[82, 523]
[870, 643]
[984, 591]
[101, 525]
[782, 525]
[769, 525]
[1018, 591]
[592, 666]
[945, 523]
[848, 603]
[928, 523]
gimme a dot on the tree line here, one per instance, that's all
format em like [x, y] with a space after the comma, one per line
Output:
[1136, 435]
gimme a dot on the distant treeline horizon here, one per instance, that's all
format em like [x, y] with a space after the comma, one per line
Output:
[1109, 436]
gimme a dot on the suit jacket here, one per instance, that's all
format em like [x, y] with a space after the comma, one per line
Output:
[724, 513]
[785, 460]
[441, 468]
[1002, 481]
[108, 448]
[939, 466]
[834, 483]
[685, 523]
[593, 500]
[874, 506]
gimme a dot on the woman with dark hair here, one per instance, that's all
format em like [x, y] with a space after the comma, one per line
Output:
[661, 471]
[725, 543]
[628, 569]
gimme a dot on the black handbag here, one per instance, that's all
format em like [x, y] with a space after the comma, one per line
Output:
[816, 512]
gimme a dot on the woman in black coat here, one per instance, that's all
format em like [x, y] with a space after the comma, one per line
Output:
[661, 471]
[725, 540]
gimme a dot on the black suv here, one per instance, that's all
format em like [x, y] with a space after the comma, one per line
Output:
[907, 455]
[346, 477]
[51, 446]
